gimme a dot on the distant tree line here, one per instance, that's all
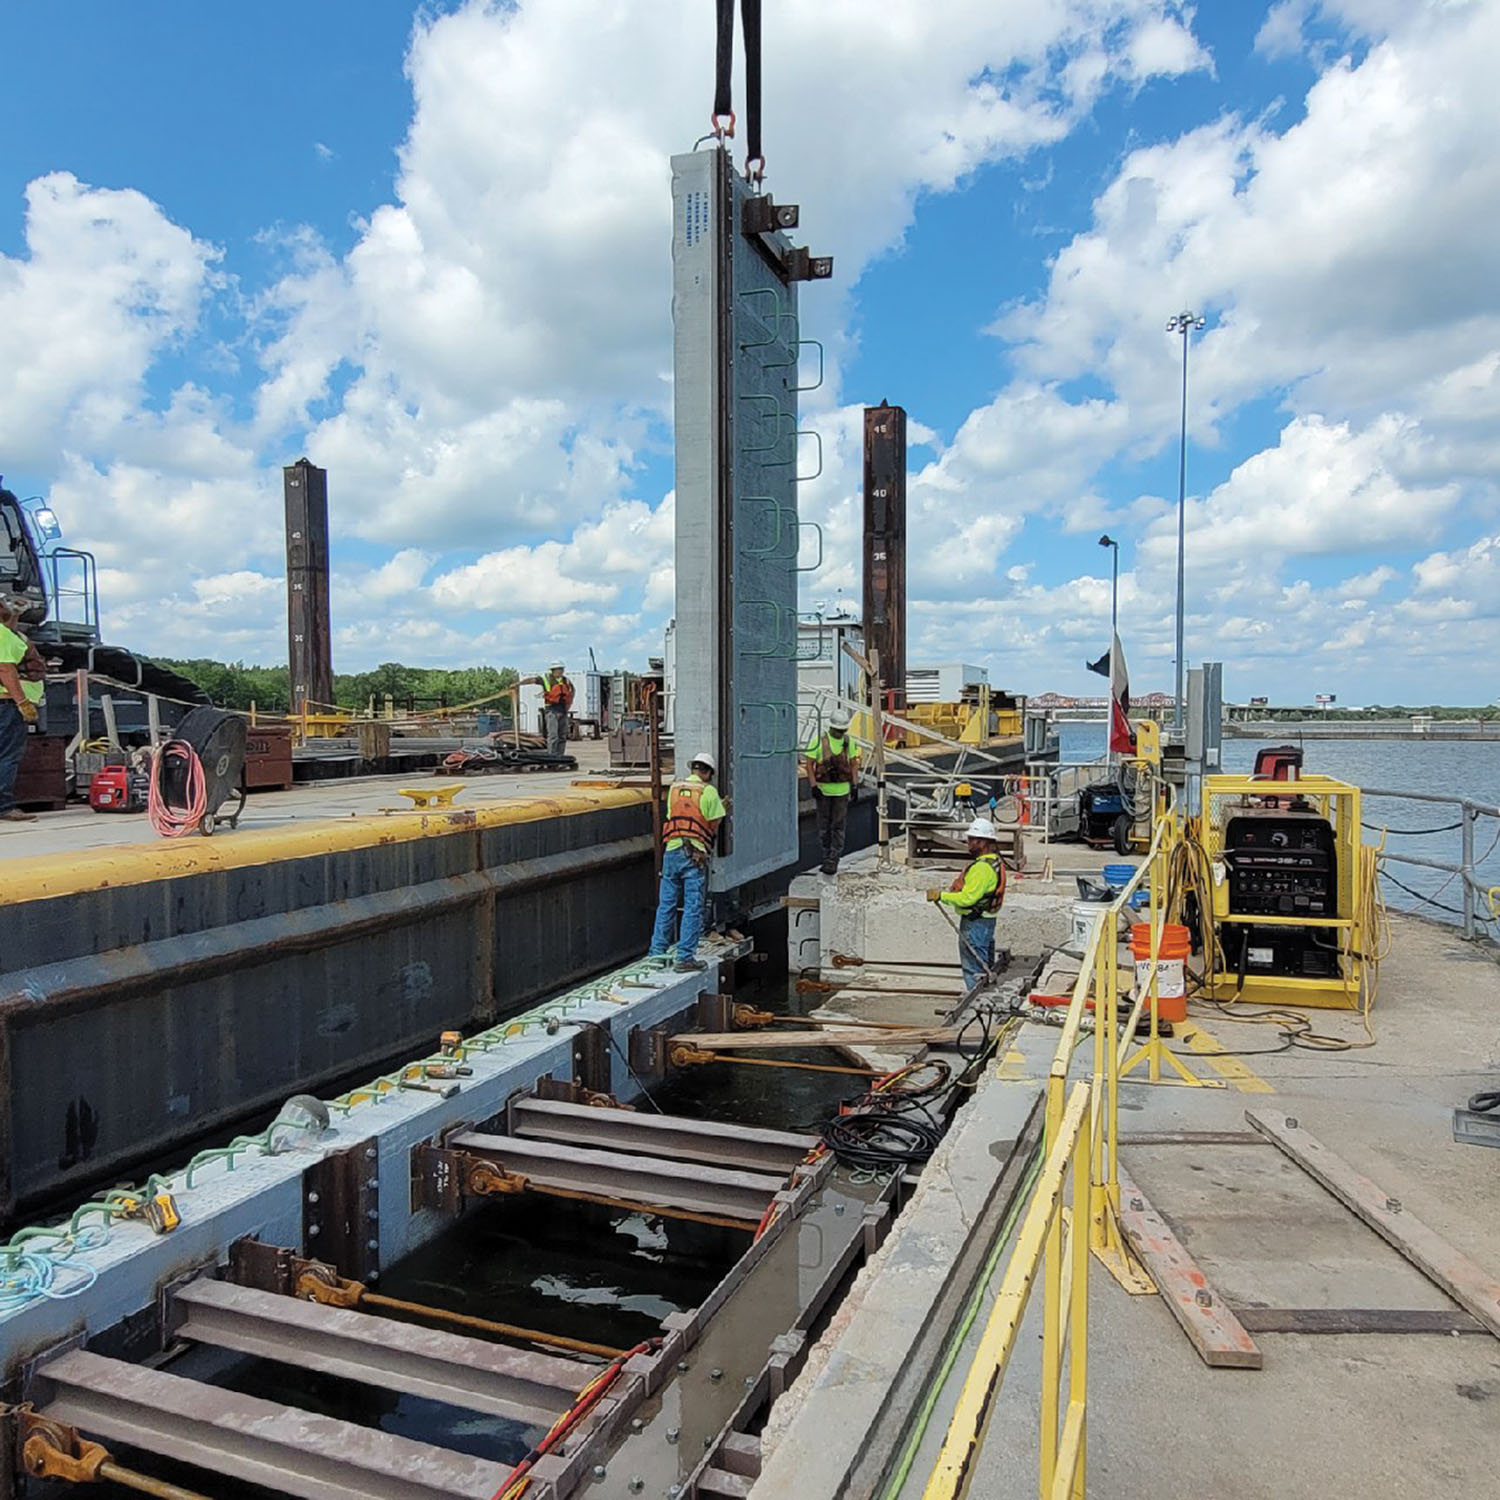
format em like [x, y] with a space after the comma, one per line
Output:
[235, 685]
[1486, 712]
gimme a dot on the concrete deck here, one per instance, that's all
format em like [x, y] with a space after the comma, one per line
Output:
[78, 826]
[1380, 1415]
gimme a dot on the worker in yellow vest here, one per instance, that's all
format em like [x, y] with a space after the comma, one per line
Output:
[557, 700]
[832, 762]
[694, 812]
[20, 693]
[976, 895]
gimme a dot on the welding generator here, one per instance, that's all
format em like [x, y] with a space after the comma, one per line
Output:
[118, 789]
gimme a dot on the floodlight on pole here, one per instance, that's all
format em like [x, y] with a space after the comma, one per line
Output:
[1185, 323]
[1114, 634]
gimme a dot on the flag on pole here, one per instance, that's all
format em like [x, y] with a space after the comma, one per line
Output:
[1112, 666]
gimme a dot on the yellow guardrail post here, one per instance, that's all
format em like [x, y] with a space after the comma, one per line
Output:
[1041, 1247]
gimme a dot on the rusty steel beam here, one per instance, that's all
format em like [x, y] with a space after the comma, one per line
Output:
[515, 1383]
[289, 1451]
[648, 1181]
[734, 1146]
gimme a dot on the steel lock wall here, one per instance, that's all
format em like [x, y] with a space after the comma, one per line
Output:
[152, 994]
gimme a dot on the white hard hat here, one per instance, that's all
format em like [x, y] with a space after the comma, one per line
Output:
[556, 666]
[705, 759]
[981, 828]
[839, 719]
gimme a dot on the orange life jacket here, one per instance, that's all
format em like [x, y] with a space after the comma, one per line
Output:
[557, 692]
[685, 818]
[996, 898]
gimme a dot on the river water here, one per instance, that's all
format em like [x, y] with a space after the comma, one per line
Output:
[1466, 768]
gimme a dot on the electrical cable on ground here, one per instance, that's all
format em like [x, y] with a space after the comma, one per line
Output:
[172, 820]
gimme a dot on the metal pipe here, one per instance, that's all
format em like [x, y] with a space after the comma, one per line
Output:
[777, 1062]
[488, 1325]
[1436, 864]
[1482, 808]
[132, 1479]
[1466, 835]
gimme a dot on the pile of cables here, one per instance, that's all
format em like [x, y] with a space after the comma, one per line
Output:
[169, 818]
[893, 1125]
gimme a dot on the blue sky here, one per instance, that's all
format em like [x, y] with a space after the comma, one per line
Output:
[430, 250]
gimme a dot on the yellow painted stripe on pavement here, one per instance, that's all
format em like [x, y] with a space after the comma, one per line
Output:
[46, 876]
[1233, 1070]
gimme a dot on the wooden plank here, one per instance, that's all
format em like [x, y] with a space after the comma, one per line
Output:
[1209, 1322]
[1467, 1283]
[1193, 1138]
[1358, 1320]
[852, 1036]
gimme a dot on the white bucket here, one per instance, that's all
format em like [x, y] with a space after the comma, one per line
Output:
[1086, 916]
[1169, 977]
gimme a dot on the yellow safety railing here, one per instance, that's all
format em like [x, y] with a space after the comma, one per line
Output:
[1061, 1253]
[1099, 979]
[1082, 1145]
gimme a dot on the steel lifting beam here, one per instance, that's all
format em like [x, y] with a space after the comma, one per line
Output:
[526, 1387]
[289, 1451]
[637, 1179]
[735, 1146]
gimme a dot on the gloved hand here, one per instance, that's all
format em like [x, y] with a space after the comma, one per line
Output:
[934, 895]
[28, 710]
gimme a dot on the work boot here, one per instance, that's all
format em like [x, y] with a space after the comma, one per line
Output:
[15, 815]
[830, 867]
[690, 966]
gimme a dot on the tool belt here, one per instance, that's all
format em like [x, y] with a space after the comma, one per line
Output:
[831, 765]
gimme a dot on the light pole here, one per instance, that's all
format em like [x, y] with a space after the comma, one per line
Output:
[1184, 323]
[1114, 588]
[1114, 632]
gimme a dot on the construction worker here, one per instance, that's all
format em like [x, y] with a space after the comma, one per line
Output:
[557, 699]
[976, 896]
[694, 811]
[21, 685]
[832, 763]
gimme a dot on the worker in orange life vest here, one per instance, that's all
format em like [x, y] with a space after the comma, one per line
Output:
[694, 811]
[976, 896]
[557, 699]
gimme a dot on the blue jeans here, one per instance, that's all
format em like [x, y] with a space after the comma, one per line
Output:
[683, 883]
[976, 947]
[12, 748]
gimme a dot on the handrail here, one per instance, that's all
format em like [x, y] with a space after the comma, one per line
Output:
[1471, 885]
[1482, 808]
[1043, 1244]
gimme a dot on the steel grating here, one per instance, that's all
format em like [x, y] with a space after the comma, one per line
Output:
[289, 1451]
[650, 1181]
[737, 1146]
[492, 1378]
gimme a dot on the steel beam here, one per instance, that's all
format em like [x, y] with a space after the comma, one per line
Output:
[637, 1179]
[504, 1382]
[289, 1451]
[678, 1139]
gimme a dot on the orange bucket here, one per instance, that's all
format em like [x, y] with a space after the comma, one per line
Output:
[1171, 955]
